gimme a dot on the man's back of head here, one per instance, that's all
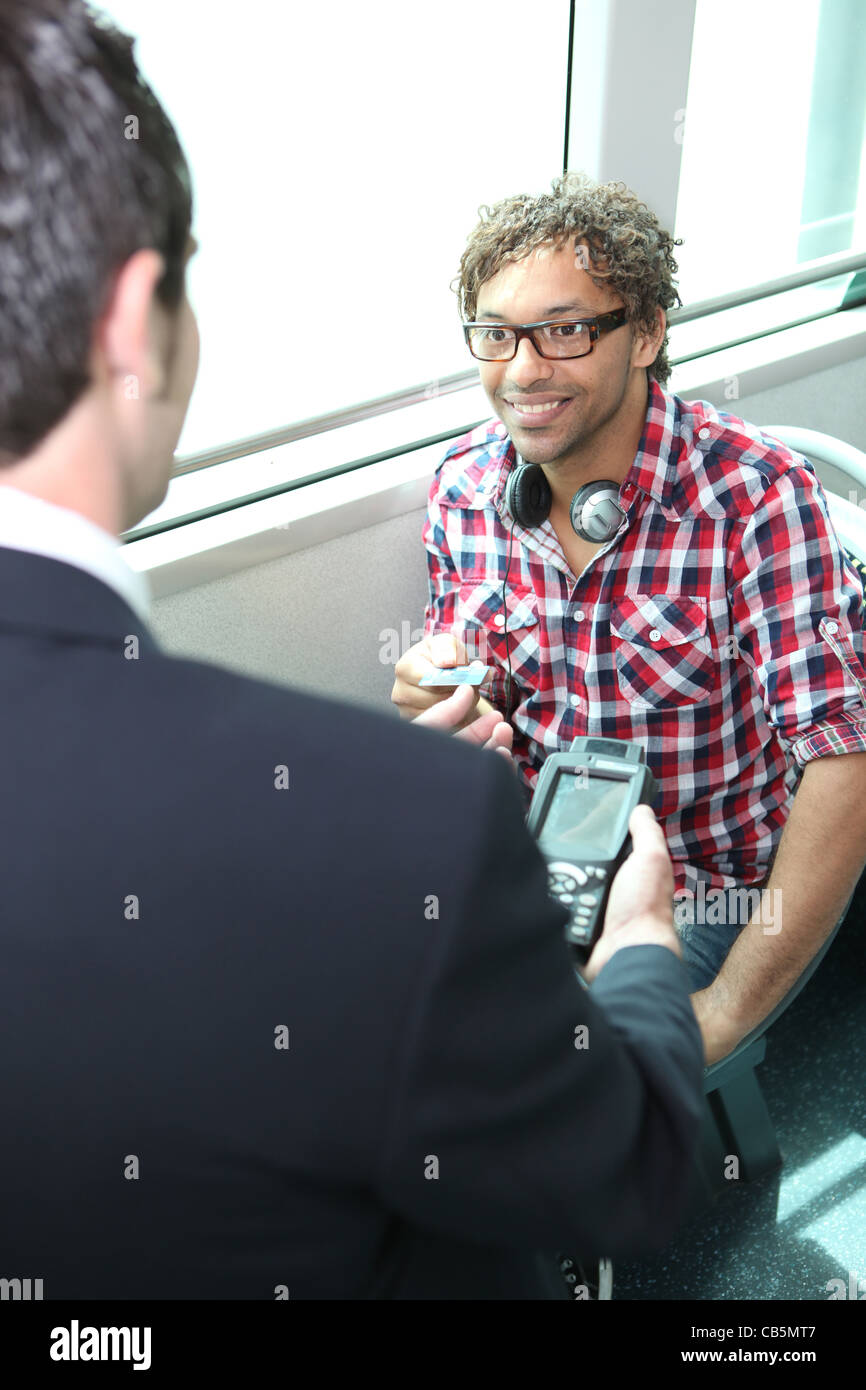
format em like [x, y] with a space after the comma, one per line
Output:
[96, 340]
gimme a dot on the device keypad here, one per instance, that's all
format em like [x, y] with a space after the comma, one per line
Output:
[564, 881]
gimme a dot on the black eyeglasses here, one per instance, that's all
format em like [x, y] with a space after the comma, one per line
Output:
[552, 338]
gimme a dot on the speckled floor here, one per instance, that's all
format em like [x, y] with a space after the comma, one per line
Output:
[789, 1234]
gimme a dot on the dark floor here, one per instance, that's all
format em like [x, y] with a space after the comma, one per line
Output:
[788, 1234]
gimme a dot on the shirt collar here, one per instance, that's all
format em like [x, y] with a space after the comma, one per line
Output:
[509, 459]
[655, 467]
[42, 528]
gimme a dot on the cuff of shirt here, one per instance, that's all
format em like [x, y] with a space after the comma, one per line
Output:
[846, 733]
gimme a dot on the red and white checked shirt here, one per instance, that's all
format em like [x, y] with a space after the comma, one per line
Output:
[720, 628]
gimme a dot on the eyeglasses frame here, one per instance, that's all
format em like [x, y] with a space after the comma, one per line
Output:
[602, 323]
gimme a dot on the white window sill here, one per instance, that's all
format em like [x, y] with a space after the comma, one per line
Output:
[210, 548]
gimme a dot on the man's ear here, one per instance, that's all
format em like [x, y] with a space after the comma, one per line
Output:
[125, 336]
[647, 345]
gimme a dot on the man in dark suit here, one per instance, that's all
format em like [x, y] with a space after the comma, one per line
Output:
[285, 1008]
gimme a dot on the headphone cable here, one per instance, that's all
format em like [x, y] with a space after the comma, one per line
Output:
[505, 628]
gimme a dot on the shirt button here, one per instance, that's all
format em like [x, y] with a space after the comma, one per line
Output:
[655, 635]
[703, 434]
[499, 620]
[579, 616]
[831, 627]
[575, 701]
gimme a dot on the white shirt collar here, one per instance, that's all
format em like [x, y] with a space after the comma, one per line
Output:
[42, 528]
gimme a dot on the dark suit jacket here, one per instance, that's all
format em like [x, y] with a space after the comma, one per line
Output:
[170, 914]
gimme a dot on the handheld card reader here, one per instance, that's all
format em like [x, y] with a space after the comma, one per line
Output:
[579, 816]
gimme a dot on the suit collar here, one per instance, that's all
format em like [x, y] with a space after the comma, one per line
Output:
[46, 597]
[31, 523]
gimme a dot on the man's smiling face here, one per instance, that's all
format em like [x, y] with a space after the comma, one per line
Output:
[552, 409]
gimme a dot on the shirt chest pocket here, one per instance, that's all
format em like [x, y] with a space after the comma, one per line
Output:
[484, 620]
[662, 649]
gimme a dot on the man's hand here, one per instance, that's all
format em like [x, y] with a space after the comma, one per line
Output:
[442, 650]
[488, 730]
[640, 907]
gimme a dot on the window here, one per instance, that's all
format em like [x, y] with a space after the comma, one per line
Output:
[772, 135]
[339, 153]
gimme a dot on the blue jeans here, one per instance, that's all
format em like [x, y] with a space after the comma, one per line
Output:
[705, 947]
[709, 920]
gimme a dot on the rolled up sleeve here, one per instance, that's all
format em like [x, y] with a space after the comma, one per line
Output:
[796, 608]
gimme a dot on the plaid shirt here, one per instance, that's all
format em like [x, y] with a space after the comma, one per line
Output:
[720, 628]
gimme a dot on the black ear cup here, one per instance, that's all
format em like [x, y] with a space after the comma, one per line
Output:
[596, 511]
[527, 495]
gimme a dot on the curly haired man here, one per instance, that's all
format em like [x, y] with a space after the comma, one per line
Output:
[713, 618]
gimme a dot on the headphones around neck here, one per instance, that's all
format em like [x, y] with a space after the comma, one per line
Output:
[596, 515]
[596, 511]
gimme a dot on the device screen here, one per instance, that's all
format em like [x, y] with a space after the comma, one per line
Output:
[585, 811]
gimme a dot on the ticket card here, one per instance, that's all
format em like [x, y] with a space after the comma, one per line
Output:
[457, 675]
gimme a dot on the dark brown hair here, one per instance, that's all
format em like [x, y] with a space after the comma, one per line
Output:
[78, 197]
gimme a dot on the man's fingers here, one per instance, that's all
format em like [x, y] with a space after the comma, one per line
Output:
[446, 650]
[482, 729]
[645, 831]
[502, 736]
[441, 650]
[448, 714]
[479, 730]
